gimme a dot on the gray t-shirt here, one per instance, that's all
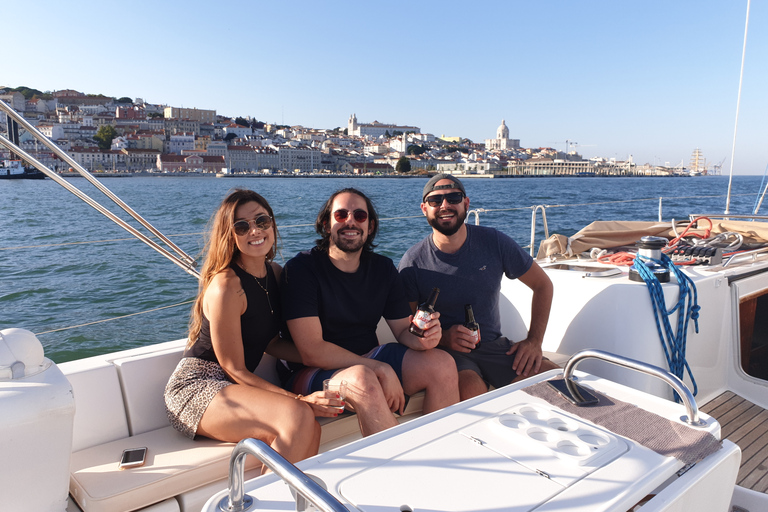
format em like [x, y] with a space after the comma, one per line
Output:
[472, 275]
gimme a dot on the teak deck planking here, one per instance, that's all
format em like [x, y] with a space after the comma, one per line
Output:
[745, 424]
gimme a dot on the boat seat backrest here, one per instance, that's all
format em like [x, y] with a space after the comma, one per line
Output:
[143, 378]
[99, 411]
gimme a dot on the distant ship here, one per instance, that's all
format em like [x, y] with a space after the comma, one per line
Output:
[14, 170]
[699, 166]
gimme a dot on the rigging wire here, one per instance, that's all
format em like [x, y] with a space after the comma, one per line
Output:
[759, 199]
[116, 317]
[738, 105]
[382, 219]
[616, 259]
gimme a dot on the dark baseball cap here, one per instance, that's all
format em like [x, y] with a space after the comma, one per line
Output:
[430, 186]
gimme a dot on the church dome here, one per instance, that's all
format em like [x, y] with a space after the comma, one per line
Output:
[502, 132]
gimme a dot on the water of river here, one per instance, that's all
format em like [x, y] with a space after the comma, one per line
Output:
[62, 264]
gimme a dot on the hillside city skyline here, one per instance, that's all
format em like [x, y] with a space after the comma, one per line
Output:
[165, 138]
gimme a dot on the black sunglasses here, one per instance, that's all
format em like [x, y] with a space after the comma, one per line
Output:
[342, 215]
[262, 222]
[437, 199]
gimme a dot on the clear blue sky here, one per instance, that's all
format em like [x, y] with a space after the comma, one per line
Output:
[654, 79]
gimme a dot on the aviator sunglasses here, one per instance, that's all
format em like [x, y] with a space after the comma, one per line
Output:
[452, 198]
[342, 215]
[262, 222]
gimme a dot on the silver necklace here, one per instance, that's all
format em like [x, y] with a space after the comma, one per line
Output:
[262, 286]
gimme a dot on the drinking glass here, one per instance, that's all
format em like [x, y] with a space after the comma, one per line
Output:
[332, 387]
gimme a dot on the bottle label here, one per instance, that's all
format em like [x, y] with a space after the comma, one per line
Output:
[421, 318]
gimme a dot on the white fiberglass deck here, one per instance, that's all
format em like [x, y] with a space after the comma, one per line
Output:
[505, 450]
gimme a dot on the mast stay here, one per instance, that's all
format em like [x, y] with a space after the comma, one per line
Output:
[180, 258]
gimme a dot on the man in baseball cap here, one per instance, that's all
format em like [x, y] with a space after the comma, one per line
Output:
[467, 262]
[432, 185]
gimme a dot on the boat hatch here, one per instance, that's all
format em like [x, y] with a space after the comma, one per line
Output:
[534, 451]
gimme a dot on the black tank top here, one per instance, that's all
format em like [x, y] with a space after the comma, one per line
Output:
[258, 325]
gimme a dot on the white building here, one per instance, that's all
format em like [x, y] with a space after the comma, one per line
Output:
[52, 131]
[179, 142]
[302, 158]
[240, 132]
[502, 140]
[15, 100]
[376, 129]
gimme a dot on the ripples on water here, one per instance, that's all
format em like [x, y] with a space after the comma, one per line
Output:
[45, 287]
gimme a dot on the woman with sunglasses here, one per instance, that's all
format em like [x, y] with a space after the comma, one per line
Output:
[236, 318]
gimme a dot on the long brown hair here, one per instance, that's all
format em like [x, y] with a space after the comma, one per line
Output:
[221, 250]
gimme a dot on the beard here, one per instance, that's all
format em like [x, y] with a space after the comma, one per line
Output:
[448, 229]
[345, 245]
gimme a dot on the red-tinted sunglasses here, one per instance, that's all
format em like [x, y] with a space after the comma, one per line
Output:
[342, 215]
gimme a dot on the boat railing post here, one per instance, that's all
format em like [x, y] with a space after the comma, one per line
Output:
[476, 213]
[660, 198]
[535, 209]
[305, 487]
[678, 385]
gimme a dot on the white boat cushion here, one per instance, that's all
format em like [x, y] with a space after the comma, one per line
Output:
[174, 465]
[99, 412]
[143, 380]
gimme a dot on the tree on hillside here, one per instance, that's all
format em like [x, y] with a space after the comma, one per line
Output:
[415, 149]
[403, 165]
[105, 135]
[228, 137]
[241, 122]
[124, 99]
[27, 92]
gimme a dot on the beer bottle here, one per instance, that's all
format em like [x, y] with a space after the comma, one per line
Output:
[424, 314]
[469, 322]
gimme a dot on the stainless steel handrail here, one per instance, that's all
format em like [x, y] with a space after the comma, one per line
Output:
[678, 385]
[183, 259]
[729, 216]
[753, 253]
[238, 501]
[535, 209]
[476, 212]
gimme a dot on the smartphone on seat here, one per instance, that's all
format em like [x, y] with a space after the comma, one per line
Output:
[133, 458]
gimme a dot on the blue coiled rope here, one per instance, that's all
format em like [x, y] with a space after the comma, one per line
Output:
[687, 307]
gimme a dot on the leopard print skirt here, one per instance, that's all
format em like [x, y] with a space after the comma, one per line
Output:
[190, 389]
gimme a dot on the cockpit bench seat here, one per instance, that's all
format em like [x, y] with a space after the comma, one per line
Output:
[119, 405]
[174, 465]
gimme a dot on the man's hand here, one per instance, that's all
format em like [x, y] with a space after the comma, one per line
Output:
[527, 357]
[459, 338]
[390, 386]
[432, 333]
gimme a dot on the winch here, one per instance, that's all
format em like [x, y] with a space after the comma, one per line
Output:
[649, 254]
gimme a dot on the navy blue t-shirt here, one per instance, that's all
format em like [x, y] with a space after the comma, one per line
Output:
[349, 305]
[471, 275]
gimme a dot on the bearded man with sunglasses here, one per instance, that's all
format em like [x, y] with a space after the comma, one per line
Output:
[334, 296]
[467, 262]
